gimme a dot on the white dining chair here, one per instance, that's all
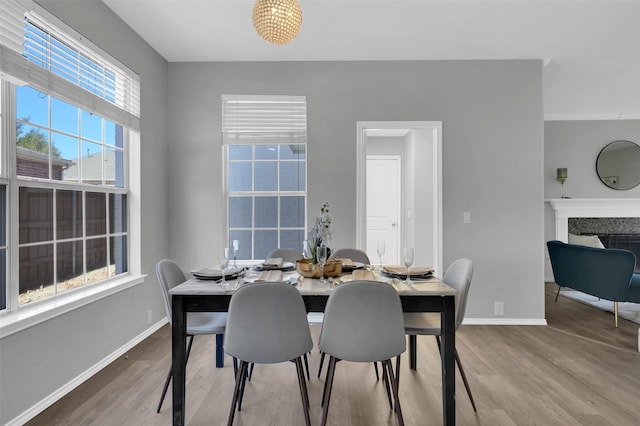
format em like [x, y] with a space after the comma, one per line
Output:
[356, 255]
[170, 275]
[286, 254]
[458, 276]
[267, 324]
[363, 323]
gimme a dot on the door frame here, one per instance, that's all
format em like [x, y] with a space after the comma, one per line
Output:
[361, 168]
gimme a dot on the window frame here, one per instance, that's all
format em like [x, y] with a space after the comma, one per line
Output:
[15, 318]
[255, 194]
[238, 129]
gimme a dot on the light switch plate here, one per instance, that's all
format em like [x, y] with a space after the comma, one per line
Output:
[466, 217]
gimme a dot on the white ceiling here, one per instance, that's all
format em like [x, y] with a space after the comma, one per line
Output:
[592, 47]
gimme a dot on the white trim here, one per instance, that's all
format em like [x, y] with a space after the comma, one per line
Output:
[590, 117]
[32, 314]
[566, 208]
[361, 158]
[504, 321]
[84, 376]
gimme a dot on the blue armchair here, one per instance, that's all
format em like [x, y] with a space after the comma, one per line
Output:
[604, 273]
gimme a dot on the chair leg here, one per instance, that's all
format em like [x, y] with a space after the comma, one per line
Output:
[321, 362]
[236, 390]
[303, 391]
[464, 376]
[395, 385]
[170, 374]
[306, 365]
[375, 366]
[615, 312]
[464, 380]
[250, 371]
[164, 389]
[385, 380]
[242, 386]
[557, 293]
[327, 390]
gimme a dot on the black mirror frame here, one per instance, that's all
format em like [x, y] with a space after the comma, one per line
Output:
[607, 180]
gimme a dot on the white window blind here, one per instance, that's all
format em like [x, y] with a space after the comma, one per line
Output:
[49, 56]
[264, 119]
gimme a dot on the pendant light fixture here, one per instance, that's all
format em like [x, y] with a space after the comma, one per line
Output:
[277, 21]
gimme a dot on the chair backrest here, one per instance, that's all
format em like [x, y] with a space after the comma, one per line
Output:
[458, 276]
[363, 322]
[169, 275]
[287, 254]
[356, 255]
[267, 323]
[604, 273]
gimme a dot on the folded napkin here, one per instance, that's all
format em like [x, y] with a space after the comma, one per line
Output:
[363, 274]
[272, 262]
[347, 262]
[402, 270]
[269, 276]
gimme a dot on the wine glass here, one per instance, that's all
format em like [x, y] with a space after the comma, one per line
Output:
[408, 261]
[224, 262]
[322, 260]
[234, 249]
[380, 251]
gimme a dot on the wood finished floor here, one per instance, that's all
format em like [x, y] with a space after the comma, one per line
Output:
[579, 370]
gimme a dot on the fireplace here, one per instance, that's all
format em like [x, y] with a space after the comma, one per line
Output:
[615, 221]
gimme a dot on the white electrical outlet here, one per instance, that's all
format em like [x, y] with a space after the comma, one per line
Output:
[498, 308]
[149, 317]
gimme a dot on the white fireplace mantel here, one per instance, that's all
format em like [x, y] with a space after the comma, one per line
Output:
[590, 207]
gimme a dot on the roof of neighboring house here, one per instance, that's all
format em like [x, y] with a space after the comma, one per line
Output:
[91, 167]
[41, 157]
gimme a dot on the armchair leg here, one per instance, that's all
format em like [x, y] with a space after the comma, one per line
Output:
[615, 312]
[557, 293]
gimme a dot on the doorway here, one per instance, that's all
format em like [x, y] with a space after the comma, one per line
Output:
[419, 223]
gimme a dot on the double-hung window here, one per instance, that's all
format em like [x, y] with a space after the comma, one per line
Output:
[265, 158]
[70, 115]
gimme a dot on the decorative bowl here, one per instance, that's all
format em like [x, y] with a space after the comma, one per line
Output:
[333, 268]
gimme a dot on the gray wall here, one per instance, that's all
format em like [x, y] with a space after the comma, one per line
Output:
[42, 359]
[492, 114]
[575, 145]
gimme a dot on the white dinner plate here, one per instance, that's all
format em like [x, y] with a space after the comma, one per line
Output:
[215, 274]
[286, 266]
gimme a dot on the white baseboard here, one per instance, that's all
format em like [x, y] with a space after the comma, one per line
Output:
[504, 321]
[84, 376]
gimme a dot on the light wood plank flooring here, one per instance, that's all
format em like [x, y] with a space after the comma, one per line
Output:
[579, 370]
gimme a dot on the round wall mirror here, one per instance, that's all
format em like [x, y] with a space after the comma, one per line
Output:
[618, 165]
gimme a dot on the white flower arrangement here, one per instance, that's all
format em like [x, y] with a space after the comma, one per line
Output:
[320, 233]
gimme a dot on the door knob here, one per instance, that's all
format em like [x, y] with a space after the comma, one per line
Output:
[394, 224]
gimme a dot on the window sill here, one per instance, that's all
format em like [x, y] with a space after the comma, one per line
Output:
[30, 315]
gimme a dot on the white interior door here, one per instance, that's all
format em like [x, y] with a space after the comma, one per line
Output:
[383, 207]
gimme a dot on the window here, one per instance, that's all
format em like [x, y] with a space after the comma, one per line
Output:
[265, 172]
[72, 113]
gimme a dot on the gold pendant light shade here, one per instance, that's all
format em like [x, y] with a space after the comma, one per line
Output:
[277, 21]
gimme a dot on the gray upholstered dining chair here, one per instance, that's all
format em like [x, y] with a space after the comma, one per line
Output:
[363, 323]
[356, 255]
[286, 254]
[267, 324]
[170, 275]
[458, 276]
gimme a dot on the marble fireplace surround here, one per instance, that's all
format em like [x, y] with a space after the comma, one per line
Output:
[566, 208]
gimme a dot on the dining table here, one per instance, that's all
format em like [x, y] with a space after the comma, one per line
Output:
[424, 295]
